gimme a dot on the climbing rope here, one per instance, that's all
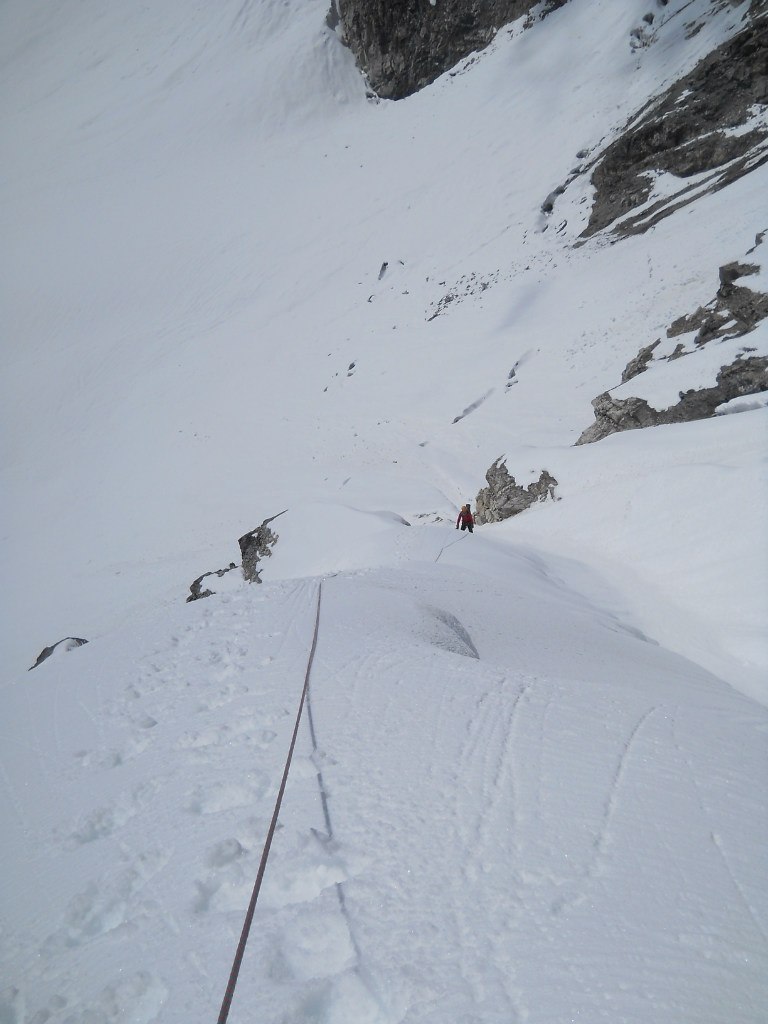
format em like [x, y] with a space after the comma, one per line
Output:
[227, 1001]
[446, 546]
[316, 757]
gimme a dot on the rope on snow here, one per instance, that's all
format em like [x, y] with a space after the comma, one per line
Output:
[230, 991]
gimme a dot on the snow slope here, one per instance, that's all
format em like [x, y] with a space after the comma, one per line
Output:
[541, 746]
[535, 813]
[200, 203]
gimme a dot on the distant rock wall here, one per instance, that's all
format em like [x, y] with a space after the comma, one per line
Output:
[403, 45]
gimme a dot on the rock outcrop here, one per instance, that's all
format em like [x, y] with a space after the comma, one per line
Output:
[257, 545]
[639, 364]
[196, 588]
[403, 45]
[503, 497]
[742, 377]
[705, 123]
[734, 312]
[254, 546]
[69, 644]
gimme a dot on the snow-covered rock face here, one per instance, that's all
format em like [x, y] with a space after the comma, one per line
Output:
[742, 377]
[708, 129]
[736, 312]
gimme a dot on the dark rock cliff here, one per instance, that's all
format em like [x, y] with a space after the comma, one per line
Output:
[403, 45]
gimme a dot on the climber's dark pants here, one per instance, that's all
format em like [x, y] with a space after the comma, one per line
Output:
[468, 526]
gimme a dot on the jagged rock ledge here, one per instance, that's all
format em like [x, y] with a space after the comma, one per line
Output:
[735, 311]
[640, 362]
[742, 377]
[196, 588]
[503, 497]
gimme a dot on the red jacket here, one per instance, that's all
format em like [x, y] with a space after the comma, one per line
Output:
[465, 516]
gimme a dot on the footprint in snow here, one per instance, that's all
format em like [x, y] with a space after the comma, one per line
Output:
[302, 768]
[224, 853]
[343, 999]
[302, 873]
[226, 885]
[103, 908]
[12, 1006]
[245, 732]
[104, 821]
[103, 759]
[228, 663]
[138, 998]
[317, 944]
[216, 797]
[203, 738]
[224, 696]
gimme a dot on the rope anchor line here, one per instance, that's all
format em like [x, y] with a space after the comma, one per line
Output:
[237, 963]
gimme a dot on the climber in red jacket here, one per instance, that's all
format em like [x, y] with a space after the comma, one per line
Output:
[466, 520]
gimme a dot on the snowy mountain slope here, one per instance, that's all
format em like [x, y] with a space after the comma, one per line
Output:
[462, 709]
[200, 207]
[237, 286]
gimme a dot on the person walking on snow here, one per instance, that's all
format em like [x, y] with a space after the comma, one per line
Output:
[465, 520]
